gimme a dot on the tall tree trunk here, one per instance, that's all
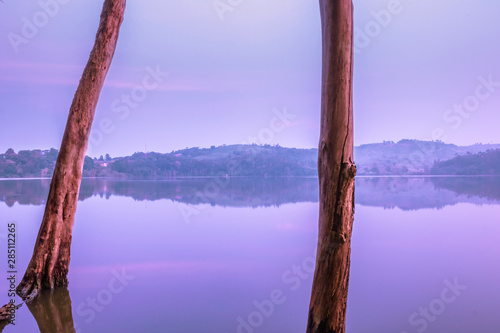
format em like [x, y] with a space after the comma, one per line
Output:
[336, 169]
[49, 264]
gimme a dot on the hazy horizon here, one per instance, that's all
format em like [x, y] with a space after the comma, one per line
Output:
[231, 144]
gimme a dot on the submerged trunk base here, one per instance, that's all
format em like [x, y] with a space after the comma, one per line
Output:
[32, 284]
[49, 265]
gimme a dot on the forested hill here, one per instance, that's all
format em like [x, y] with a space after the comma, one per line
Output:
[483, 163]
[234, 160]
[409, 157]
[406, 157]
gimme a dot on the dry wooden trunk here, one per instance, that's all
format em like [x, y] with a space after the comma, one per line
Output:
[336, 169]
[49, 264]
[52, 311]
[3, 324]
[5, 316]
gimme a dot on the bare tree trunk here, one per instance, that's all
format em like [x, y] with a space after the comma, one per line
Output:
[336, 169]
[3, 324]
[5, 316]
[49, 264]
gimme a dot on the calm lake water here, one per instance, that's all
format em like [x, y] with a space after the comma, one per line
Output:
[205, 256]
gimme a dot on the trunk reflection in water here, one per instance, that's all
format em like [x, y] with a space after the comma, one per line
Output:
[52, 311]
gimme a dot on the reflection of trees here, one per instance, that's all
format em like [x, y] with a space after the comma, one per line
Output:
[244, 192]
[24, 192]
[224, 192]
[401, 192]
[406, 193]
[481, 187]
[52, 311]
[411, 193]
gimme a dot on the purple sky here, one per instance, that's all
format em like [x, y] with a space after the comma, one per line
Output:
[226, 78]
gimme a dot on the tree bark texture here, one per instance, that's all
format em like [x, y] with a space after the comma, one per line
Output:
[336, 168]
[49, 264]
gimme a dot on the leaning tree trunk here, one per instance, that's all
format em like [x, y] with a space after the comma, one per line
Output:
[49, 264]
[336, 169]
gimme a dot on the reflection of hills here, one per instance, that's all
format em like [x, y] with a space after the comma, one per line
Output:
[24, 192]
[481, 187]
[234, 192]
[237, 192]
[411, 193]
[406, 193]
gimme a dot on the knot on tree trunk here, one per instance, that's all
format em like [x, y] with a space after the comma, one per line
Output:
[348, 170]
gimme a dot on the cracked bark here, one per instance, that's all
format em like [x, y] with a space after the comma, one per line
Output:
[5, 316]
[49, 264]
[336, 171]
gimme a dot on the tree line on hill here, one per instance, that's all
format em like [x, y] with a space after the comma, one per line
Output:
[483, 163]
[236, 160]
[388, 158]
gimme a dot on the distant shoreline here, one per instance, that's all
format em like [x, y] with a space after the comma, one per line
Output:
[406, 158]
[259, 177]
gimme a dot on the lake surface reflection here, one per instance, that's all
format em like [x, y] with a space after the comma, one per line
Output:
[209, 256]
